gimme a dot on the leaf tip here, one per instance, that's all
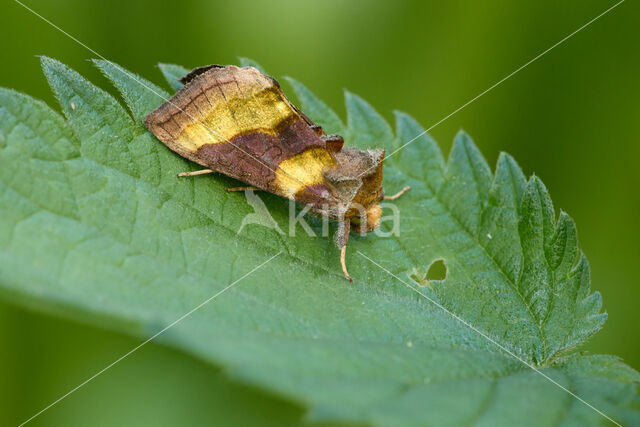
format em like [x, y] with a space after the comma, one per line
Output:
[248, 62]
[462, 134]
[47, 61]
[99, 62]
[296, 85]
[504, 157]
[463, 141]
[507, 164]
[50, 67]
[353, 98]
[534, 182]
[401, 116]
[566, 224]
[564, 216]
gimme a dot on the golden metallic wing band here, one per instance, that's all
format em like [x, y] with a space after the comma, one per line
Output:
[238, 122]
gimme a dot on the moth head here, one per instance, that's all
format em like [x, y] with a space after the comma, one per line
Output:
[358, 175]
[358, 181]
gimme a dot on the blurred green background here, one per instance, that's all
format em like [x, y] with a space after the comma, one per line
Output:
[572, 117]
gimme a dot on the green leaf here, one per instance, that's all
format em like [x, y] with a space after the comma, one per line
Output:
[140, 104]
[366, 127]
[416, 152]
[173, 73]
[315, 109]
[246, 62]
[95, 220]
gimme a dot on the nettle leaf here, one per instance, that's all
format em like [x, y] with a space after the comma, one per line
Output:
[317, 110]
[246, 62]
[94, 220]
[365, 126]
[172, 73]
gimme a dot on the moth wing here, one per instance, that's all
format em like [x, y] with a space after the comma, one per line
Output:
[238, 122]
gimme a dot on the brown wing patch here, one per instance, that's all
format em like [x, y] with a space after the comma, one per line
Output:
[237, 121]
[217, 105]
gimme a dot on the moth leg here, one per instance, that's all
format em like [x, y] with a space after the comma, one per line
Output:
[341, 237]
[398, 194]
[242, 188]
[194, 173]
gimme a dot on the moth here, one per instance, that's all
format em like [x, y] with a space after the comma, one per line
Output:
[236, 121]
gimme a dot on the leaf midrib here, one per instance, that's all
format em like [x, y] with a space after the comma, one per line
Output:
[248, 296]
[169, 196]
[137, 131]
[513, 285]
[435, 195]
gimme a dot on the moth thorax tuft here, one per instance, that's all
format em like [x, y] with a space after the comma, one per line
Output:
[373, 217]
[367, 219]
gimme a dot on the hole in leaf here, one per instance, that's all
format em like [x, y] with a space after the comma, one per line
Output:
[437, 270]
